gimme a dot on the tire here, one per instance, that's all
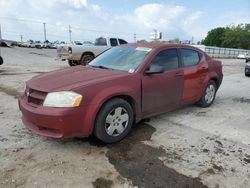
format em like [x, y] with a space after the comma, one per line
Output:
[72, 63]
[86, 59]
[1, 60]
[247, 75]
[209, 95]
[114, 121]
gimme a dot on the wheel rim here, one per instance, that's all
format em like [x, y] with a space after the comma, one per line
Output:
[210, 92]
[87, 59]
[116, 121]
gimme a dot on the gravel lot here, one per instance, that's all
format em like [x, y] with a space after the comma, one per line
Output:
[190, 147]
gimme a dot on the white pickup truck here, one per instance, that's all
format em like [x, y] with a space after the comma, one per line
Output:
[83, 54]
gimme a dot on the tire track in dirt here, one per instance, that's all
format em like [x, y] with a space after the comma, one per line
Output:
[140, 163]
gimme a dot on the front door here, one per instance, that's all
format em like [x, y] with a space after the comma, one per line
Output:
[162, 92]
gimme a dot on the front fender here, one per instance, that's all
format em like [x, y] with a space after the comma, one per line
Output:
[105, 95]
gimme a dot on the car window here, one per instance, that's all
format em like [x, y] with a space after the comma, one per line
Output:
[113, 42]
[122, 41]
[190, 57]
[167, 59]
[101, 42]
[124, 58]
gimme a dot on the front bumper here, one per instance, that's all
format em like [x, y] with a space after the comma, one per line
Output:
[56, 122]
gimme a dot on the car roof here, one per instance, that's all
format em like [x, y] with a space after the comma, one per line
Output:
[159, 45]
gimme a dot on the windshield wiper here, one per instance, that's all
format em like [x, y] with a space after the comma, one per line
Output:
[100, 66]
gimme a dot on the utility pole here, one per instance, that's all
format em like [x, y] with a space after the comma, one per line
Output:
[21, 38]
[70, 31]
[44, 28]
[0, 35]
[135, 37]
[155, 31]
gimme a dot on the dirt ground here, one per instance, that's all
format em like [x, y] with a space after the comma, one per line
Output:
[191, 147]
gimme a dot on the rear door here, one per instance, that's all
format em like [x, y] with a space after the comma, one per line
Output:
[195, 70]
[162, 92]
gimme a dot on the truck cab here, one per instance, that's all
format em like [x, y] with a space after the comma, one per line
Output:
[83, 54]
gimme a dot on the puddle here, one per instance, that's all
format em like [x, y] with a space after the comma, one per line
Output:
[241, 100]
[140, 163]
[102, 183]
[40, 54]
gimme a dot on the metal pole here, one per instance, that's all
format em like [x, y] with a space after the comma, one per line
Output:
[135, 37]
[70, 31]
[44, 28]
[0, 34]
[21, 38]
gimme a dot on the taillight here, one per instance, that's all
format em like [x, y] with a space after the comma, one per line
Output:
[70, 50]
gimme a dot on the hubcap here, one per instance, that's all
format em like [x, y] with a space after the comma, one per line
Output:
[116, 121]
[210, 92]
[88, 59]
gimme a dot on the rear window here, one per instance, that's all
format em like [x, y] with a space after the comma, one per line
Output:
[190, 57]
[122, 41]
[113, 42]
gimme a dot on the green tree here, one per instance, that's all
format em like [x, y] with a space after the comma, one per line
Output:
[229, 37]
[141, 41]
[214, 37]
[237, 37]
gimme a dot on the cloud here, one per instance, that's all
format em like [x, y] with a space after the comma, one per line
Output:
[86, 19]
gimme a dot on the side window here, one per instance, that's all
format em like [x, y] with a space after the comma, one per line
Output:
[113, 42]
[190, 57]
[122, 41]
[167, 59]
[101, 42]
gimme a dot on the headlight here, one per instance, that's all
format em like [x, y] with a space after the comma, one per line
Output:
[248, 64]
[63, 99]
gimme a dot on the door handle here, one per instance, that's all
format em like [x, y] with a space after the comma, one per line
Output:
[179, 74]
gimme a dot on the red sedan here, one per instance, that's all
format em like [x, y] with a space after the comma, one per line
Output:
[117, 89]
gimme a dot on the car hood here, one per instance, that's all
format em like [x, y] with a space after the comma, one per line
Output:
[72, 77]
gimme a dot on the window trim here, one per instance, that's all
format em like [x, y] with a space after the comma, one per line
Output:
[181, 58]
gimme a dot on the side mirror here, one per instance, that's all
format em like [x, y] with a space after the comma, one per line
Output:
[154, 69]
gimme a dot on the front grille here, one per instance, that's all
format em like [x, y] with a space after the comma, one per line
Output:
[35, 97]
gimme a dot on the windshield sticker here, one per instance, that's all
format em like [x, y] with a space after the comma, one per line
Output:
[144, 49]
[131, 70]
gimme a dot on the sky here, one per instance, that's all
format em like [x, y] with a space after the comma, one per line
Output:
[89, 19]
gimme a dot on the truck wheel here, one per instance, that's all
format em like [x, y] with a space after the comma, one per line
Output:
[72, 63]
[209, 95]
[86, 59]
[114, 121]
[1, 60]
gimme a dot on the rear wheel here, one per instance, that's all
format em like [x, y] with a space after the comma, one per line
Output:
[114, 121]
[209, 95]
[86, 59]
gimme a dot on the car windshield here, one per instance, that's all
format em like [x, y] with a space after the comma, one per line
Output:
[124, 58]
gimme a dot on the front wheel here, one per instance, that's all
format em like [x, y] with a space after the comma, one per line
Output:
[114, 121]
[209, 95]
[86, 59]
